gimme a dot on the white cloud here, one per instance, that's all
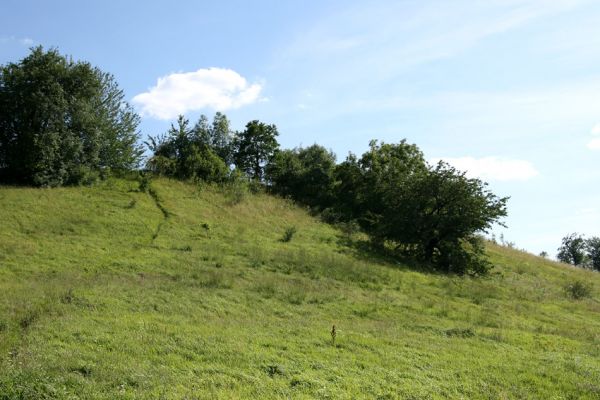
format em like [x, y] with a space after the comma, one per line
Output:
[596, 130]
[217, 88]
[25, 41]
[594, 144]
[493, 168]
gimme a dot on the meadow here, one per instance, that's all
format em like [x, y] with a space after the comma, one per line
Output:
[188, 291]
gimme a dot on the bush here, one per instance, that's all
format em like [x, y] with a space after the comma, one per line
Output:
[288, 234]
[349, 229]
[143, 182]
[578, 290]
[236, 188]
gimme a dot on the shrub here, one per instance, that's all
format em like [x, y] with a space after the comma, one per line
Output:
[237, 188]
[578, 290]
[349, 229]
[288, 234]
[143, 182]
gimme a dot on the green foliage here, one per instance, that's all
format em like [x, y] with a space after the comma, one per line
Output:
[436, 214]
[254, 148]
[593, 252]
[237, 188]
[183, 153]
[432, 214]
[289, 233]
[217, 136]
[362, 184]
[304, 174]
[572, 249]
[144, 181]
[578, 290]
[63, 122]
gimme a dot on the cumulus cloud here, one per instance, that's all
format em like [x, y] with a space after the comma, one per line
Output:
[493, 168]
[596, 130]
[217, 88]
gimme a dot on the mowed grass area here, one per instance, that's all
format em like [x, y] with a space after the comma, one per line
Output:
[189, 293]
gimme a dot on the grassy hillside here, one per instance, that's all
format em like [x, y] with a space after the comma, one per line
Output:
[110, 293]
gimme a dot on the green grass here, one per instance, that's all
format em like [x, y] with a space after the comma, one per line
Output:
[190, 293]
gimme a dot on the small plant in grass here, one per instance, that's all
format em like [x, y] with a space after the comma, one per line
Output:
[67, 297]
[333, 335]
[289, 234]
[578, 290]
[460, 332]
[274, 370]
[28, 318]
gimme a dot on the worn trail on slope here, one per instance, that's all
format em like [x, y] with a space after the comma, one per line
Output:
[166, 214]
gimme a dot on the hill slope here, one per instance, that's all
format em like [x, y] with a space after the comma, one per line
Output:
[110, 293]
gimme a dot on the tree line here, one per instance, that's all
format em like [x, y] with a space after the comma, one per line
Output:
[576, 250]
[65, 122]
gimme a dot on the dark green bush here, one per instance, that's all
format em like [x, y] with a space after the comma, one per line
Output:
[289, 234]
[578, 290]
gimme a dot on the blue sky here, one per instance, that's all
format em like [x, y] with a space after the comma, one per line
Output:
[508, 90]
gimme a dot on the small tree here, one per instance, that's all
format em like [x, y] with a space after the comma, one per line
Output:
[572, 249]
[217, 136]
[593, 252]
[255, 147]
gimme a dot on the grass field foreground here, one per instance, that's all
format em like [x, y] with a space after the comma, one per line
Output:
[188, 292]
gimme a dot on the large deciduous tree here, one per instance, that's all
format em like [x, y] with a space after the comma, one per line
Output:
[62, 121]
[432, 213]
[436, 215]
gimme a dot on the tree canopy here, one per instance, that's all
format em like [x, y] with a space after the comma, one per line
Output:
[254, 147]
[185, 153]
[305, 174]
[436, 214]
[572, 249]
[63, 121]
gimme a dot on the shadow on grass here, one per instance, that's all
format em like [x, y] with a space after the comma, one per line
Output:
[366, 250]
